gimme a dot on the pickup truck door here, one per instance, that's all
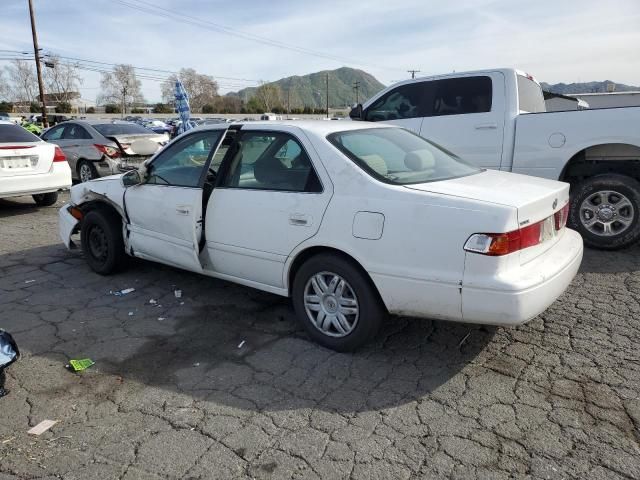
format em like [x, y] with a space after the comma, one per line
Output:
[466, 116]
[402, 106]
[165, 213]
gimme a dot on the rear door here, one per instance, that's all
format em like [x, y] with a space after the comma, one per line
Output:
[272, 196]
[466, 116]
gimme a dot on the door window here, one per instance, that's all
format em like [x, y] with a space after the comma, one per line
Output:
[182, 163]
[271, 161]
[76, 132]
[54, 133]
[457, 96]
[403, 102]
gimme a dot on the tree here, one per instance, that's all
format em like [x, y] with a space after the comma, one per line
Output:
[112, 108]
[61, 79]
[268, 96]
[34, 107]
[121, 86]
[228, 104]
[6, 106]
[162, 108]
[63, 107]
[91, 110]
[202, 89]
[23, 81]
[5, 89]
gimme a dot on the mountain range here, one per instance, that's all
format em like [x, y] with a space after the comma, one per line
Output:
[587, 87]
[310, 90]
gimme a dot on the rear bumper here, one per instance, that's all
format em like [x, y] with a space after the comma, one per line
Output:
[519, 294]
[58, 178]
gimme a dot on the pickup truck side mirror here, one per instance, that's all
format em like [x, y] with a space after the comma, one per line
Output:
[131, 178]
[356, 112]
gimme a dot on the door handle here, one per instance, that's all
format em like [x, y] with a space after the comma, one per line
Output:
[182, 210]
[298, 219]
[487, 126]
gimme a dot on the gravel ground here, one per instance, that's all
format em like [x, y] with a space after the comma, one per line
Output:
[223, 384]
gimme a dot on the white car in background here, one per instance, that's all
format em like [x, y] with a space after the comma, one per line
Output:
[352, 220]
[31, 166]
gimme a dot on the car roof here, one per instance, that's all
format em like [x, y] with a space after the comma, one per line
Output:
[319, 127]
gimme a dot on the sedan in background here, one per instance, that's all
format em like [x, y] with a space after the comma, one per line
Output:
[350, 220]
[30, 166]
[98, 148]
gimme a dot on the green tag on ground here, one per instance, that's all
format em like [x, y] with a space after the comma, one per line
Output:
[79, 365]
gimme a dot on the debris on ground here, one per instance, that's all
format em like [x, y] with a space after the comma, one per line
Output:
[178, 293]
[80, 365]
[131, 314]
[464, 339]
[9, 353]
[42, 427]
[197, 364]
[160, 319]
[152, 301]
[241, 344]
[29, 281]
[4, 442]
[126, 291]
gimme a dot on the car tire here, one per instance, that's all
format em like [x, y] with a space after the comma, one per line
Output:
[102, 243]
[329, 319]
[86, 171]
[45, 199]
[605, 210]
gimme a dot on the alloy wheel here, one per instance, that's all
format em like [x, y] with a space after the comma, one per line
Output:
[331, 304]
[606, 213]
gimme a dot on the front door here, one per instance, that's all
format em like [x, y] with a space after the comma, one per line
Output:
[271, 198]
[402, 106]
[165, 212]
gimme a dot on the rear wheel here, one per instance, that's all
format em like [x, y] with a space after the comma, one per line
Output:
[605, 209]
[86, 171]
[336, 303]
[102, 243]
[45, 199]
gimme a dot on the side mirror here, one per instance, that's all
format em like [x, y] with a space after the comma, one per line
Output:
[356, 112]
[131, 178]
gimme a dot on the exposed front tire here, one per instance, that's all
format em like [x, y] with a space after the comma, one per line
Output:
[86, 171]
[605, 209]
[102, 243]
[45, 199]
[336, 302]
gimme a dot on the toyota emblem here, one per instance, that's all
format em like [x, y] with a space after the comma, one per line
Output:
[555, 204]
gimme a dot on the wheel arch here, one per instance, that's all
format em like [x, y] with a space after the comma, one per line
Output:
[299, 258]
[602, 158]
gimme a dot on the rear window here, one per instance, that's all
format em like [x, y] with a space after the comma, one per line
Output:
[15, 133]
[530, 97]
[108, 129]
[397, 156]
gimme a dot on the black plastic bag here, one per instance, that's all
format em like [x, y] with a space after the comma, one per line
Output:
[9, 353]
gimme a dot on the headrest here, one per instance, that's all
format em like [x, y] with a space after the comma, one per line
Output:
[419, 160]
[269, 171]
[375, 163]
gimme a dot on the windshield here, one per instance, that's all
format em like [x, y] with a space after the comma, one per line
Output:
[108, 129]
[14, 133]
[397, 156]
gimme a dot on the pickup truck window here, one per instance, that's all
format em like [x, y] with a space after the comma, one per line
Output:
[397, 156]
[530, 98]
[400, 103]
[458, 96]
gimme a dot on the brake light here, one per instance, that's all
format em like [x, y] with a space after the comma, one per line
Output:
[107, 150]
[496, 244]
[58, 155]
[560, 217]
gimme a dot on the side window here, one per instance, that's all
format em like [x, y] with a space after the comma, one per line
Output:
[54, 133]
[76, 132]
[406, 101]
[182, 163]
[271, 161]
[459, 96]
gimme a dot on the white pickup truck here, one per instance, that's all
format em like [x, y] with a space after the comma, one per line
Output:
[497, 119]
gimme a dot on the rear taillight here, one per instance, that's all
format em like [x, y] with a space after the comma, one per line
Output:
[107, 150]
[58, 155]
[560, 217]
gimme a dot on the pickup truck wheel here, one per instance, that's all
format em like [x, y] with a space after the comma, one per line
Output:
[45, 199]
[86, 171]
[336, 303]
[605, 209]
[102, 243]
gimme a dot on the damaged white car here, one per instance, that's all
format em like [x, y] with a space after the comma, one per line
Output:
[351, 220]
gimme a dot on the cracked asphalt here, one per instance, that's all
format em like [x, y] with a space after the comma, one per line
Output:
[175, 393]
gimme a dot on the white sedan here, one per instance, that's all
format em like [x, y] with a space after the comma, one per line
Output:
[351, 220]
[31, 166]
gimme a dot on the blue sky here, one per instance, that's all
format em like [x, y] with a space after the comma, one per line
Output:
[568, 40]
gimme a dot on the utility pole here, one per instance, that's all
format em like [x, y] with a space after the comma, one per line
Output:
[413, 73]
[356, 86]
[327, 94]
[36, 51]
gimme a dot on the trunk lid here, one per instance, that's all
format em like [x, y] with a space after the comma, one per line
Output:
[25, 158]
[536, 199]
